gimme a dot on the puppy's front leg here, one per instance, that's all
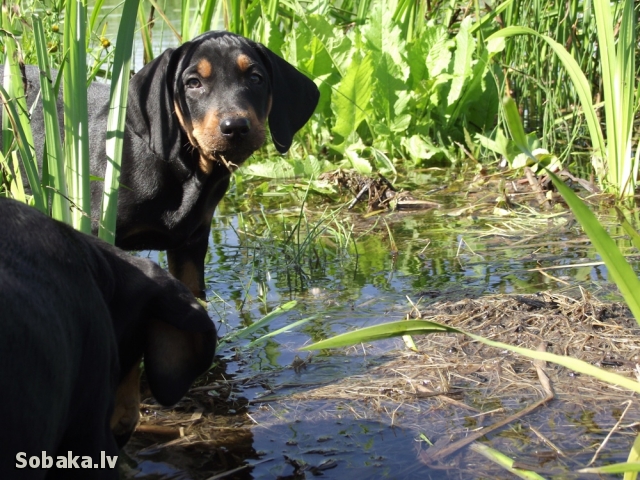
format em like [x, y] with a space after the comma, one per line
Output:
[186, 263]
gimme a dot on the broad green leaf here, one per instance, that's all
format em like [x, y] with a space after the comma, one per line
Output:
[462, 63]
[419, 148]
[480, 100]
[270, 169]
[361, 165]
[437, 46]
[352, 100]
[337, 45]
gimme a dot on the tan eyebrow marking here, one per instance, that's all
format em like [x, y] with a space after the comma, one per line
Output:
[244, 62]
[204, 68]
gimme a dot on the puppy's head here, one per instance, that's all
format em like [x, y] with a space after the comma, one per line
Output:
[156, 317]
[225, 87]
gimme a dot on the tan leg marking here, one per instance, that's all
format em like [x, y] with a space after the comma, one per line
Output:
[126, 412]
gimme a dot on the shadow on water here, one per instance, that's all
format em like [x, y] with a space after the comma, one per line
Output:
[273, 412]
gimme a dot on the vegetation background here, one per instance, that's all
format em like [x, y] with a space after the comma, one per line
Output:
[405, 84]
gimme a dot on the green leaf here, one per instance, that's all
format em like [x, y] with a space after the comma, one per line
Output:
[352, 100]
[580, 82]
[423, 327]
[614, 468]
[503, 460]
[26, 152]
[514, 122]
[76, 115]
[361, 165]
[634, 457]
[54, 156]
[284, 329]
[462, 63]
[381, 332]
[628, 228]
[617, 266]
[270, 169]
[263, 322]
[116, 120]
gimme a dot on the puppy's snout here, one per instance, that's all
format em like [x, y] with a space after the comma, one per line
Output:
[235, 127]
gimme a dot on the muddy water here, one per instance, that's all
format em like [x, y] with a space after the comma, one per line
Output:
[390, 260]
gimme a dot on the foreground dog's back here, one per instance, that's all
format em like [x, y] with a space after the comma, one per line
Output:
[76, 316]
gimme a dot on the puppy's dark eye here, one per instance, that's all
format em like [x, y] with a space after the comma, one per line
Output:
[193, 83]
[255, 78]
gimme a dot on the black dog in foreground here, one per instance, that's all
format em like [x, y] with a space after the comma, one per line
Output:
[194, 114]
[77, 316]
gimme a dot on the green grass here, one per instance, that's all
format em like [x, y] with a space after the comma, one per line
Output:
[62, 186]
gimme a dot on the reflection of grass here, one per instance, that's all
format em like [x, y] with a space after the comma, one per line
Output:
[296, 245]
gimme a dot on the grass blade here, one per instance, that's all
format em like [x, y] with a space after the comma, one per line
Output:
[24, 147]
[54, 156]
[503, 460]
[628, 228]
[580, 82]
[76, 113]
[116, 122]
[614, 468]
[418, 327]
[617, 266]
[280, 330]
[634, 457]
[268, 318]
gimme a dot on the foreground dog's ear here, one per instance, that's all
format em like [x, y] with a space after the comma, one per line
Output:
[180, 345]
[294, 99]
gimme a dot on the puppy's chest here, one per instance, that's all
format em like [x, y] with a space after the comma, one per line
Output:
[167, 212]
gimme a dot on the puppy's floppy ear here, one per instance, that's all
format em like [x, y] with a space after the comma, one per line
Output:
[180, 345]
[294, 99]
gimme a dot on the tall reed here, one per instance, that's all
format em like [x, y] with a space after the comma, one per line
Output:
[64, 174]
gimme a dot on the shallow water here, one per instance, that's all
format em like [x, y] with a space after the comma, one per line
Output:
[390, 261]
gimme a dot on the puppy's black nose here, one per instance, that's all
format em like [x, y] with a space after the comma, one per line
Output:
[235, 126]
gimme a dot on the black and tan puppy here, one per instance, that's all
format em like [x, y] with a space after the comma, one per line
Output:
[194, 114]
[77, 315]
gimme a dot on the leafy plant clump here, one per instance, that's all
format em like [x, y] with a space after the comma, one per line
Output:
[386, 98]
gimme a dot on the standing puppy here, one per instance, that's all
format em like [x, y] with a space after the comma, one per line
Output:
[194, 114]
[77, 315]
